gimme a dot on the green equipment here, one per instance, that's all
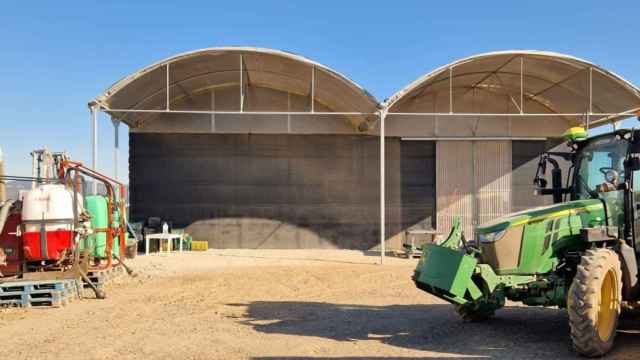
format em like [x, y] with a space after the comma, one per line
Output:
[580, 253]
[97, 206]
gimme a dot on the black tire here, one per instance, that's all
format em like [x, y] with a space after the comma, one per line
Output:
[598, 280]
[474, 313]
[630, 311]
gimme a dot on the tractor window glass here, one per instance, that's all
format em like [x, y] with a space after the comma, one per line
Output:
[600, 167]
[636, 185]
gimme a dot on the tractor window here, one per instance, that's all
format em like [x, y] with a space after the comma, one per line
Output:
[600, 167]
[636, 186]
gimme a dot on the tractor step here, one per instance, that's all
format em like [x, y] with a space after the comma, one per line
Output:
[38, 293]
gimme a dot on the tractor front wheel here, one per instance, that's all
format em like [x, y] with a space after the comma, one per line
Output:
[594, 302]
[475, 312]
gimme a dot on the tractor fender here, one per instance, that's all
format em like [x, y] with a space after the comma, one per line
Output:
[630, 283]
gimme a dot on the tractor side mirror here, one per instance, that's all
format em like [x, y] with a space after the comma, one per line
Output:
[633, 163]
[634, 146]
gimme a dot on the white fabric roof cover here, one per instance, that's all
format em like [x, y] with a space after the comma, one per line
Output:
[195, 73]
[491, 83]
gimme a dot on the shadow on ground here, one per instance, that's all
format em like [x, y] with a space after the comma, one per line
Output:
[289, 258]
[515, 333]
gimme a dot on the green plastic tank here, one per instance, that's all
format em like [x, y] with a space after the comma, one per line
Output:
[116, 239]
[97, 206]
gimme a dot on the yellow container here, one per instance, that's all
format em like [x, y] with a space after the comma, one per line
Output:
[199, 245]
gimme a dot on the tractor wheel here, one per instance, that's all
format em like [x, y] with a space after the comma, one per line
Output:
[630, 310]
[594, 302]
[475, 312]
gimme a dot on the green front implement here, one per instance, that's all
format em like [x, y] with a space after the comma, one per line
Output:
[446, 272]
[452, 273]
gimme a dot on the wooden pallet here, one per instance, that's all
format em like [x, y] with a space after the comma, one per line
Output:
[38, 293]
[100, 277]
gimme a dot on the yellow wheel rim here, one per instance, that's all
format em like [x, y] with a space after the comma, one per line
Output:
[608, 310]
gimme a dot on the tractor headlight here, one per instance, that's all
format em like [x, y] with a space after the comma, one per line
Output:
[491, 237]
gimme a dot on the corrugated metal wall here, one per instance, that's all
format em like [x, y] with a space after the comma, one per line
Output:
[454, 185]
[473, 181]
[492, 179]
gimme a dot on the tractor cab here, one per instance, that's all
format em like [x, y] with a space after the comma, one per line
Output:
[602, 168]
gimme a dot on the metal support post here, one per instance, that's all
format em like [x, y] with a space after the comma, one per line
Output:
[288, 115]
[241, 84]
[167, 84]
[590, 90]
[94, 145]
[213, 108]
[3, 188]
[313, 89]
[522, 85]
[590, 98]
[450, 90]
[116, 146]
[383, 115]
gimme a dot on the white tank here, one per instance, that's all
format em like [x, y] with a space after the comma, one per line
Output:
[48, 202]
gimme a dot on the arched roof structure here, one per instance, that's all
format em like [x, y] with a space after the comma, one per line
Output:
[180, 83]
[520, 82]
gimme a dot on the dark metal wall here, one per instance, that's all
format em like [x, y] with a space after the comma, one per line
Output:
[525, 156]
[281, 191]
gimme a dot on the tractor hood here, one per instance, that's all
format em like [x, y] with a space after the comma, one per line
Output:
[540, 213]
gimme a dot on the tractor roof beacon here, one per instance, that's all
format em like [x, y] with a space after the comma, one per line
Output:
[580, 253]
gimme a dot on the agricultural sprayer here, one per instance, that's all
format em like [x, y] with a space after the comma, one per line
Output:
[56, 229]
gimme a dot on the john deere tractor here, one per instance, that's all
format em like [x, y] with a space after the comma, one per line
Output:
[581, 253]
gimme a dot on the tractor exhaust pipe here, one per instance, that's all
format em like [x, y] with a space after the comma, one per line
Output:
[3, 185]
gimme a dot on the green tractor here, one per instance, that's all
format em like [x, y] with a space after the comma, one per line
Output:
[581, 253]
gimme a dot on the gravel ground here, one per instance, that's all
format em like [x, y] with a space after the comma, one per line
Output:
[282, 304]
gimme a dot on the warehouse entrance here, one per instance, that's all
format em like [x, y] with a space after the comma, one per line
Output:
[473, 181]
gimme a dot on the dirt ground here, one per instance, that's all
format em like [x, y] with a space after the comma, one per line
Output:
[275, 304]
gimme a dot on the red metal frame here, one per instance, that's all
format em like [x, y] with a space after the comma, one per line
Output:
[120, 231]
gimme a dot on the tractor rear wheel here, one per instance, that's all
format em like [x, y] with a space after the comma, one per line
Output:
[594, 302]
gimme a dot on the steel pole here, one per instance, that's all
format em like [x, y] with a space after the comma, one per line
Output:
[116, 146]
[382, 188]
[3, 188]
[94, 145]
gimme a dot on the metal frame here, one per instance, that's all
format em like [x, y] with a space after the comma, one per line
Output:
[94, 145]
[627, 113]
[382, 115]
[383, 210]
[97, 106]
[313, 89]
[472, 138]
[116, 146]
[224, 112]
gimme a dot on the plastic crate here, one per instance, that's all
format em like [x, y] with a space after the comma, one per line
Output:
[197, 245]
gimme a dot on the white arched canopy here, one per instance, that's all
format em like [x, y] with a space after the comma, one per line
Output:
[233, 80]
[508, 94]
[540, 86]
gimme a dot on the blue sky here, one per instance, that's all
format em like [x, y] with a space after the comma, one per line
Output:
[57, 55]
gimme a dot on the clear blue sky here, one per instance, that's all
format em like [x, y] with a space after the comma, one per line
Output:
[57, 55]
